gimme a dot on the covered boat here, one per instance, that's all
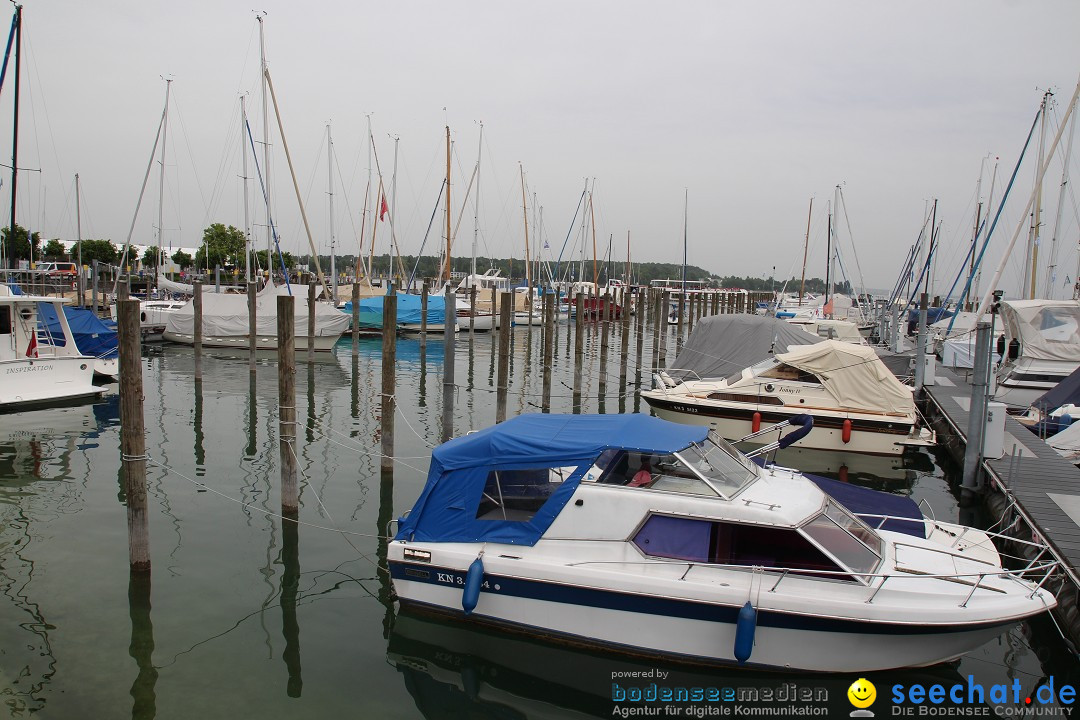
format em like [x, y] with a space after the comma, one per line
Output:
[91, 334]
[409, 313]
[629, 532]
[857, 403]
[1041, 346]
[225, 323]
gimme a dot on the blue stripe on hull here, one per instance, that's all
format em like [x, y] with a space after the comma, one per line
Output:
[662, 606]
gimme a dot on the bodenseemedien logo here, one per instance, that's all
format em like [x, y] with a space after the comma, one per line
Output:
[862, 695]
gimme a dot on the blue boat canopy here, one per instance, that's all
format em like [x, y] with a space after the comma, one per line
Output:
[497, 485]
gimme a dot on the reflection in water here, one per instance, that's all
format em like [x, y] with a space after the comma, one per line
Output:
[141, 647]
[453, 669]
[386, 514]
[200, 438]
[290, 584]
[252, 419]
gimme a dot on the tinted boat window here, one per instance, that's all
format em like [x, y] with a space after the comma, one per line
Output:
[5, 320]
[724, 543]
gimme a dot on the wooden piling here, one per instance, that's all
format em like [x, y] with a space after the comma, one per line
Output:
[423, 318]
[605, 328]
[355, 319]
[680, 322]
[448, 365]
[311, 321]
[389, 402]
[579, 350]
[286, 333]
[94, 285]
[472, 312]
[506, 307]
[665, 304]
[196, 302]
[253, 338]
[549, 350]
[624, 317]
[133, 435]
[657, 319]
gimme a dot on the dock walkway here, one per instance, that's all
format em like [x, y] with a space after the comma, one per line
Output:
[1044, 485]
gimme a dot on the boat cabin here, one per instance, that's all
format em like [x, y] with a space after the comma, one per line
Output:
[669, 492]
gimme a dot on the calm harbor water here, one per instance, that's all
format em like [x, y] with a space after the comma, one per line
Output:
[242, 618]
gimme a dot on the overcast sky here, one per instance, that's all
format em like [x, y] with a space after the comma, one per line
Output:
[749, 108]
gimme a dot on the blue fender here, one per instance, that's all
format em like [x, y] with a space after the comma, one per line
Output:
[473, 580]
[745, 627]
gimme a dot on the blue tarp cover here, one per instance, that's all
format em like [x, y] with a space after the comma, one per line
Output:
[92, 336]
[447, 507]
[1064, 393]
[408, 310]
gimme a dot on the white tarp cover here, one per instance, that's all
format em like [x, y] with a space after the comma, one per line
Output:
[227, 316]
[1067, 442]
[1046, 329]
[854, 375]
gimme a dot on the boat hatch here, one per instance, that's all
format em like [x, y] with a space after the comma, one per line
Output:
[734, 544]
[845, 537]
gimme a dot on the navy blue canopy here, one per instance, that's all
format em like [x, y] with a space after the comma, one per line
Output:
[1064, 393]
[519, 453]
[92, 335]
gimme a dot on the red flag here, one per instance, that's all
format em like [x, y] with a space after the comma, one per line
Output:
[385, 209]
[31, 349]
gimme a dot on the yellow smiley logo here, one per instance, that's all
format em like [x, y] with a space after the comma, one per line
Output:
[862, 693]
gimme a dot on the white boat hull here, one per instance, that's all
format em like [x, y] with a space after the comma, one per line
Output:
[608, 619]
[47, 380]
[323, 343]
[822, 437]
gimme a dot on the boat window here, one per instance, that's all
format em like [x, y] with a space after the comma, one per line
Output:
[723, 466]
[5, 320]
[783, 371]
[516, 495]
[725, 543]
[845, 538]
[669, 473]
[743, 398]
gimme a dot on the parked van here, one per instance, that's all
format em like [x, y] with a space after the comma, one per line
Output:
[61, 270]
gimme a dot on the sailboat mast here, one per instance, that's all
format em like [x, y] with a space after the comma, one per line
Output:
[626, 279]
[266, 142]
[1051, 267]
[592, 219]
[78, 238]
[15, 129]
[525, 214]
[1036, 213]
[248, 249]
[161, 184]
[476, 205]
[448, 235]
[685, 222]
[805, 250]
[828, 256]
[330, 178]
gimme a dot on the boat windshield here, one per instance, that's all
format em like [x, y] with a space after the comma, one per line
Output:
[846, 538]
[722, 466]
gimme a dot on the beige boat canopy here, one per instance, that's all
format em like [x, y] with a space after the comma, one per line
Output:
[853, 375]
[1046, 329]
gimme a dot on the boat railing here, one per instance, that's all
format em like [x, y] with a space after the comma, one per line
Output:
[881, 520]
[1026, 578]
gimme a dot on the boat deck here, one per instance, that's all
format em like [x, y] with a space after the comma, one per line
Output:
[1044, 485]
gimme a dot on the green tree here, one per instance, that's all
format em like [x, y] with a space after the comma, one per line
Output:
[17, 246]
[260, 261]
[182, 259]
[150, 257]
[101, 250]
[221, 246]
[54, 250]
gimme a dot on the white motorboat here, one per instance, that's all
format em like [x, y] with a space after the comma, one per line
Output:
[154, 316]
[1041, 347]
[858, 405]
[225, 323]
[630, 532]
[36, 366]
